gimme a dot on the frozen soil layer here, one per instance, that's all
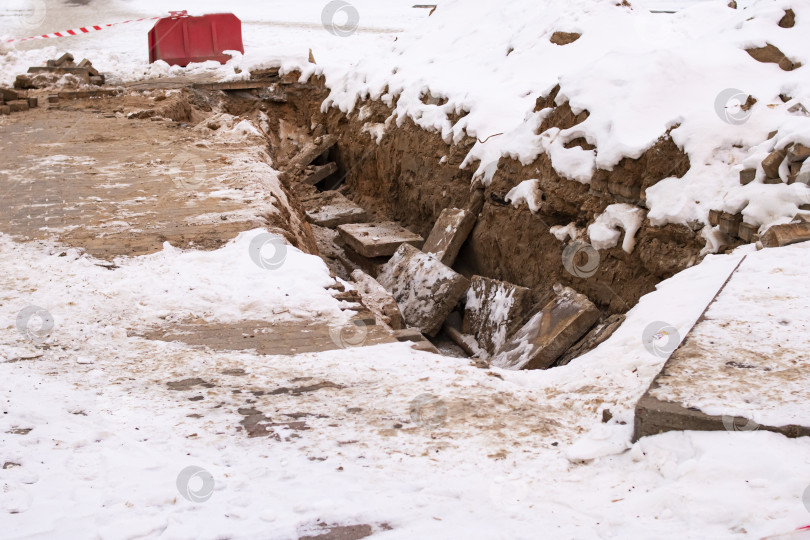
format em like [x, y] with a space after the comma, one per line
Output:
[411, 174]
[748, 356]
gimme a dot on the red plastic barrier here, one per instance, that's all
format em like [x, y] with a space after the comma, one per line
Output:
[180, 40]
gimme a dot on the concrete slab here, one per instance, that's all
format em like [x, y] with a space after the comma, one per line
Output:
[449, 233]
[331, 209]
[425, 289]
[377, 299]
[315, 173]
[786, 234]
[378, 239]
[549, 332]
[494, 308]
[743, 366]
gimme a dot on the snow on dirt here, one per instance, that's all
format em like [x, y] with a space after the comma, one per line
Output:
[604, 231]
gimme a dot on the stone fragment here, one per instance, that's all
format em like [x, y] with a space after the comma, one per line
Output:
[596, 336]
[747, 232]
[377, 299]
[449, 233]
[309, 153]
[771, 54]
[729, 223]
[786, 234]
[549, 332]
[425, 289]
[788, 20]
[798, 152]
[377, 239]
[493, 310]
[18, 105]
[747, 176]
[315, 173]
[331, 209]
[771, 163]
[564, 38]
[714, 217]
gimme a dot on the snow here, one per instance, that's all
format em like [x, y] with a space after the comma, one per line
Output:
[769, 298]
[527, 192]
[604, 231]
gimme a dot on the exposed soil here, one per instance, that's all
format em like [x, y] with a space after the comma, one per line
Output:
[403, 178]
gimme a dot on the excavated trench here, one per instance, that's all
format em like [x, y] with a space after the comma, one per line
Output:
[411, 175]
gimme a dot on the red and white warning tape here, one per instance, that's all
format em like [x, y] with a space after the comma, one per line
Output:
[95, 28]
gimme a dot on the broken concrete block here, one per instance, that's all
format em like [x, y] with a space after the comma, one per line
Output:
[377, 299]
[747, 232]
[449, 233]
[549, 332]
[729, 223]
[714, 217]
[331, 209]
[377, 239]
[798, 152]
[595, 337]
[784, 235]
[310, 152]
[315, 173]
[425, 289]
[494, 308]
[89, 67]
[7, 94]
[63, 60]
[771, 163]
[18, 105]
[747, 176]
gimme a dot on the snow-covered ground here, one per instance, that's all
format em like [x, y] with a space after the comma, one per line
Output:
[500, 454]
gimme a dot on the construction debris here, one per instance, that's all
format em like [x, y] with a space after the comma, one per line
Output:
[330, 209]
[14, 101]
[315, 173]
[425, 289]
[53, 70]
[307, 155]
[449, 233]
[493, 310]
[378, 300]
[786, 234]
[549, 332]
[377, 239]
